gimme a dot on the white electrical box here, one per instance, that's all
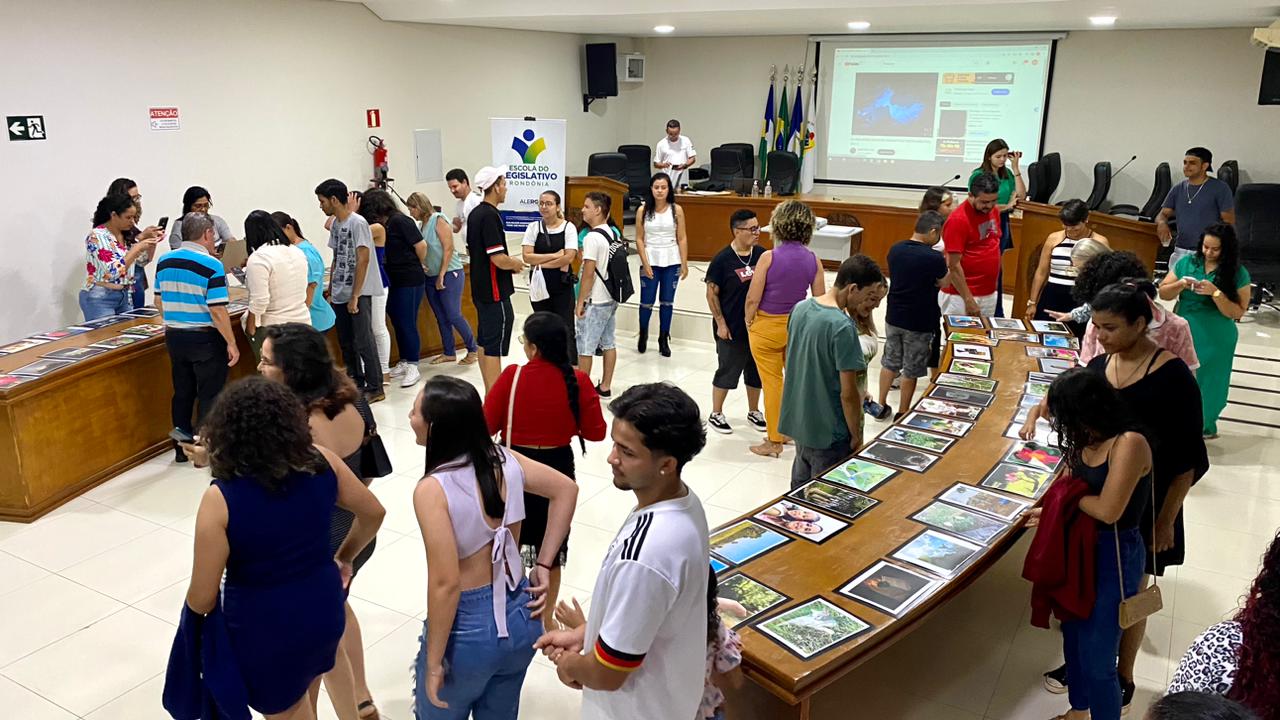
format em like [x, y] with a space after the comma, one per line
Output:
[631, 68]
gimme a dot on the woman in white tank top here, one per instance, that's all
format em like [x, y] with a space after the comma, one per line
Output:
[664, 258]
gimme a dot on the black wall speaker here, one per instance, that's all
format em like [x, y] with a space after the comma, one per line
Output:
[600, 70]
[1269, 92]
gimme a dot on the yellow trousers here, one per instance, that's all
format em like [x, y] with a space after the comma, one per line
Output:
[768, 336]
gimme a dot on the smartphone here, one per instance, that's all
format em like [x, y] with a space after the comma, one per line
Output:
[164, 222]
[181, 436]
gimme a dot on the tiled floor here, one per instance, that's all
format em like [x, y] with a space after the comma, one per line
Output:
[89, 595]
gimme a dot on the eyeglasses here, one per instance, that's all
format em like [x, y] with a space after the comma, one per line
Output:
[546, 203]
[201, 206]
[754, 229]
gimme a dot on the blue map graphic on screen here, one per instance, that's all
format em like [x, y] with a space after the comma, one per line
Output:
[895, 104]
[900, 114]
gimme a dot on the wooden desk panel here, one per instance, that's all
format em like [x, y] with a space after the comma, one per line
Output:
[802, 569]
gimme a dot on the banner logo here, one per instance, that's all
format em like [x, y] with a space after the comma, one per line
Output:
[527, 147]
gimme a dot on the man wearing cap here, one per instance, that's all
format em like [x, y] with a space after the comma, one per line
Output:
[491, 272]
[1196, 203]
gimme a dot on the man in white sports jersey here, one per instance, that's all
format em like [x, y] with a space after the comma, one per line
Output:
[642, 653]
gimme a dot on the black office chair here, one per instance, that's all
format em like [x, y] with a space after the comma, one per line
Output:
[784, 172]
[748, 157]
[1258, 228]
[614, 166]
[639, 170]
[1051, 175]
[1229, 173]
[1149, 210]
[1034, 179]
[726, 167]
[1101, 185]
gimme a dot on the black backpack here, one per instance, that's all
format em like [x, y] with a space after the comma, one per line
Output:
[619, 283]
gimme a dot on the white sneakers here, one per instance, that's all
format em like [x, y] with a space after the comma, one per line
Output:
[407, 372]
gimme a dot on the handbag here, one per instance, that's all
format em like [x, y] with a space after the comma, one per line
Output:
[511, 407]
[374, 460]
[1145, 603]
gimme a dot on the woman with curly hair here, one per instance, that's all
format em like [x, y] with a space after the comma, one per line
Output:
[264, 521]
[782, 278]
[1240, 658]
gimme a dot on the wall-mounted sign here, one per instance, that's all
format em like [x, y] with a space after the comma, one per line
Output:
[25, 127]
[164, 118]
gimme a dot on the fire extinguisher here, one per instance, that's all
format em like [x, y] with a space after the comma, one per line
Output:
[378, 147]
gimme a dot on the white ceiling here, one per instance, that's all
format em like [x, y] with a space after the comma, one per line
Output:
[805, 17]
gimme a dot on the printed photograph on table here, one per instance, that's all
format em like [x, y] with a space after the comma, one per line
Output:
[142, 312]
[964, 321]
[888, 587]
[913, 460]
[801, 520]
[917, 439]
[1040, 457]
[972, 339]
[954, 394]
[971, 352]
[1060, 341]
[1027, 401]
[1055, 366]
[976, 368]
[19, 346]
[106, 321]
[998, 323]
[1044, 433]
[1016, 336]
[1017, 479]
[984, 501]
[73, 353]
[966, 382]
[1037, 376]
[836, 499]
[60, 334]
[144, 330]
[963, 411]
[751, 597]
[745, 540]
[946, 426]
[969, 525]
[1050, 326]
[118, 341]
[860, 474]
[812, 628]
[937, 552]
[40, 368]
[1051, 352]
[1039, 389]
[1021, 415]
[9, 381]
[718, 565]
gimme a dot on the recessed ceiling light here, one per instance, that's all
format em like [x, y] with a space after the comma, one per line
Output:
[664, 29]
[1103, 20]
[859, 25]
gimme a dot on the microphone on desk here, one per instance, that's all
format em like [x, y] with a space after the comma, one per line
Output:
[1122, 167]
[951, 179]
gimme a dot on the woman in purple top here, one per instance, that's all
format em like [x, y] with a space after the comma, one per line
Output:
[482, 615]
[782, 277]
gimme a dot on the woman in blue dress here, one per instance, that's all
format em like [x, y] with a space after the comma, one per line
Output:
[265, 521]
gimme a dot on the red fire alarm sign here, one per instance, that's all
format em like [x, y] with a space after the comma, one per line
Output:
[373, 117]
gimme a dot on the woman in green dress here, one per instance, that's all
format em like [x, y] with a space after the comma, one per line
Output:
[1213, 293]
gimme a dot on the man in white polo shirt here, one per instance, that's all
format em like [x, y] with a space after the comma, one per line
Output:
[645, 640]
[468, 199]
[675, 154]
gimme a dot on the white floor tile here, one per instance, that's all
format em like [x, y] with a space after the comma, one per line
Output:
[396, 495]
[141, 703]
[19, 702]
[395, 577]
[74, 536]
[46, 611]
[1205, 597]
[165, 499]
[155, 561]
[18, 573]
[10, 529]
[166, 604]
[90, 668]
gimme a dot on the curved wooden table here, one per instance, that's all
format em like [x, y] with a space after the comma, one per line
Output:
[802, 569]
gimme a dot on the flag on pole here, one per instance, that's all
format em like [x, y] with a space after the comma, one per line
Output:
[809, 144]
[780, 140]
[795, 127]
[766, 131]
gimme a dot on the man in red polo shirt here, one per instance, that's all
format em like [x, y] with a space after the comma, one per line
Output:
[972, 238]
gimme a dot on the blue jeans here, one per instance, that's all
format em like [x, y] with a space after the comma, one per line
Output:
[402, 308]
[662, 287]
[1092, 645]
[101, 302]
[811, 461]
[446, 305]
[139, 286]
[483, 674]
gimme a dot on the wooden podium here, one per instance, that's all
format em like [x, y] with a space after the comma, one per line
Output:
[576, 188]
[1039, 220]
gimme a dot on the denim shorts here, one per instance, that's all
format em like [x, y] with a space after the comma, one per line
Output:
[596, 328]
[483, 673]
[907, 351]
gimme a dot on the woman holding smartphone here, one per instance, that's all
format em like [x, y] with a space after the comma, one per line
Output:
[1002, 162]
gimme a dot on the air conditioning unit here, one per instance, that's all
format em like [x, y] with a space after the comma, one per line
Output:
[631, 68]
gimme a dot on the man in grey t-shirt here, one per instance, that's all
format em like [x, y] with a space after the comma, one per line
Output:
[1196, 203]
[355, 280]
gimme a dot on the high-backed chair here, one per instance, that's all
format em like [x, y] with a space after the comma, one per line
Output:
[1101, 185]
[639, 170]
[1149, 210]
[1258, 228]
[1229, 173]
[748, 157]
[614, 166]
[1035, 178]
[726, 166]
[784, 172]
[1051, 174]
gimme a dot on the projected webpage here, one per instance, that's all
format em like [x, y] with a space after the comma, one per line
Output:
[918, 115]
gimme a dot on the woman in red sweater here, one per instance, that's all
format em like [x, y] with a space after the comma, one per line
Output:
[539, 407]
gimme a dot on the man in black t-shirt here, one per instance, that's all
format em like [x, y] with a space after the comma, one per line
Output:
[491, 272]
[728, 278]
[916, 271]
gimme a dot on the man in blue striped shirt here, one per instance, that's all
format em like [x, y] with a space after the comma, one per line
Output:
[191, 292]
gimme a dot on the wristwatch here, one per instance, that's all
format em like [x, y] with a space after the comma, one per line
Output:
[1217, 294]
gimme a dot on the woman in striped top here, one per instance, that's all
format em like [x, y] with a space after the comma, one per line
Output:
[1056, 275]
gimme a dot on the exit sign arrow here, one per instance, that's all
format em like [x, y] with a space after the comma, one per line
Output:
[18, 128]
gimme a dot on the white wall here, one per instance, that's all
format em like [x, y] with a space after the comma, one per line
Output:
[272, 96]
